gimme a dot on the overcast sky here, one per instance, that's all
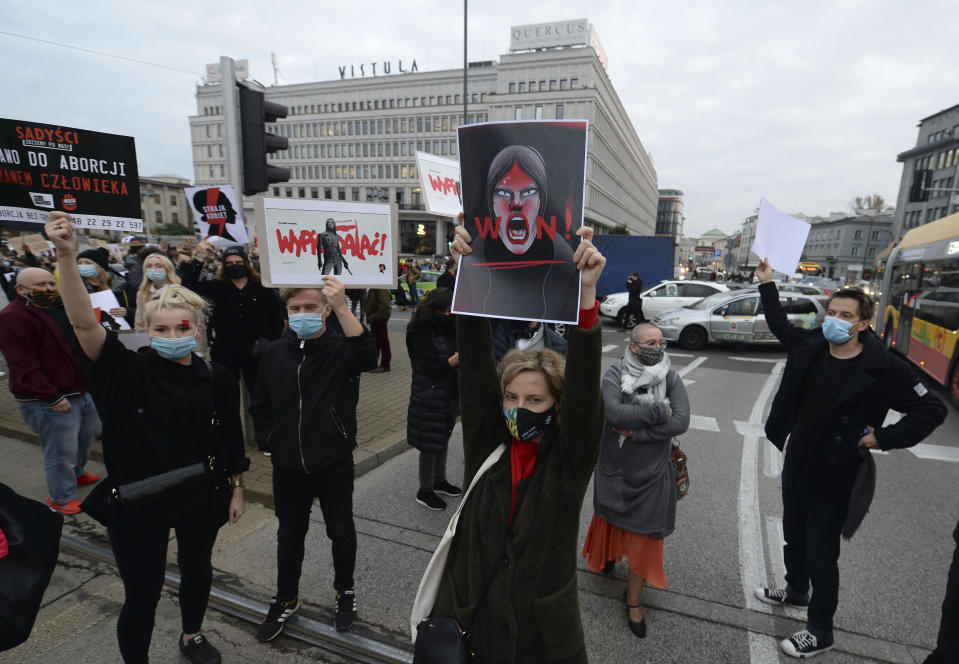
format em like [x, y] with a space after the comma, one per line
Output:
[805, 103]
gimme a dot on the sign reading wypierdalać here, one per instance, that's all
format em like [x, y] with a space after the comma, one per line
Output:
[217, 215]
[300, 241]
[440, 179]
[89, 174]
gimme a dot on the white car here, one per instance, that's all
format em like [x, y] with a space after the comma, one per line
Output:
[664, 296]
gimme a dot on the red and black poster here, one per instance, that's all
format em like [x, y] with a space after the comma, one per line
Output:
[523, 193]
[89, 174]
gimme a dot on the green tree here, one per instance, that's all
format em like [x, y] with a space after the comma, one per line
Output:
[619, 229]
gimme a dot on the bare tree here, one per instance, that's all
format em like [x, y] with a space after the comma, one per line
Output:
[872, 202]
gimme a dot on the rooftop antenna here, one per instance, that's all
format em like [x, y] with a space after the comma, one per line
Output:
[273, 61]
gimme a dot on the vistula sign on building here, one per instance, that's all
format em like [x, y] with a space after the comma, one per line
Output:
[546, 35]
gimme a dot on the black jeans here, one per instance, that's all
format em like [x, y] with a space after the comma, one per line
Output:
[812, 526]
[293, 501]
[432, 469]
[141, 560]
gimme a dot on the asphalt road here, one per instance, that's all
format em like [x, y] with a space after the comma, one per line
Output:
[727, 540]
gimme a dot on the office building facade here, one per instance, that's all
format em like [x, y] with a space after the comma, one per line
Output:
[845, 246]
[929, 188]
[669, 213]
[356, 138]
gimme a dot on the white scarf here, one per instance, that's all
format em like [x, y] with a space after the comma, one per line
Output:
[635, 375]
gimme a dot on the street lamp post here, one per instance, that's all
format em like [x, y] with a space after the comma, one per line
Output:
[146, 194]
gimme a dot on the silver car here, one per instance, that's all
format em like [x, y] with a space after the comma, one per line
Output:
[736, 316]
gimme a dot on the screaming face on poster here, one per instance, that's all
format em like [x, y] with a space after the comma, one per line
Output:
[523, 198]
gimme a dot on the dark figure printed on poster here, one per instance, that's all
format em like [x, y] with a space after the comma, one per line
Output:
[329, 258]
[523, 228]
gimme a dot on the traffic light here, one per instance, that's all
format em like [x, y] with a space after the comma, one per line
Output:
[256, 142]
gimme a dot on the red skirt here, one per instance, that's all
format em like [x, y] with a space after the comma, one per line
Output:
[644, 554]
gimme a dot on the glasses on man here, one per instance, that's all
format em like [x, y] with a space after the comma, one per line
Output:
[650, 344]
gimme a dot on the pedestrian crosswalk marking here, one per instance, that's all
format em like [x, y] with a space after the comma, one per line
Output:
[610, 347]
[753, 359]
[935, 452]
[703, 423]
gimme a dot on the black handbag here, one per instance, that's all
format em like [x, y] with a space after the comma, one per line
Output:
[166, 498]
[441, 641]
[33, 536]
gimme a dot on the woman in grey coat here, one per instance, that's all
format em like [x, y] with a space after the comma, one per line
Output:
[634, 497]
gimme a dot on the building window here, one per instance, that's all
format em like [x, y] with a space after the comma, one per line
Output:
[314, 192]
[341, 193]
[573, 83]
[276, 192]
[552, 84]
[158, 217]
[539, 112]
[519, 113]
[855, 250]
[560, 112]
[301, 192]
[512, 88]
[356, 193]
[328, 193]
[157, 199]
[857, 235]
[522, 86]
[563, 84]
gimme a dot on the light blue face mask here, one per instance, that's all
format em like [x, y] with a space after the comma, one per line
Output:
[156, 275]
[87, 271]
[173, 348]
[836, 330]
[306, 326]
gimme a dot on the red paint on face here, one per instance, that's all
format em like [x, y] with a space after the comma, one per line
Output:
[516, 201]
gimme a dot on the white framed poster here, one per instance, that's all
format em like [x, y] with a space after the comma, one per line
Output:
[440, 180]
[218, 215]
[301, 240]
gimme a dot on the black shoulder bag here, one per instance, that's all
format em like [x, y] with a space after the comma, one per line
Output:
[441, 640]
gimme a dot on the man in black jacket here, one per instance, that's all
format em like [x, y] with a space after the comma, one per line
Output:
[837, 387]
[304, 414]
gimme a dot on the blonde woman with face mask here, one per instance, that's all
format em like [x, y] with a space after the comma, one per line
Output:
[163, 409]
[158, 272]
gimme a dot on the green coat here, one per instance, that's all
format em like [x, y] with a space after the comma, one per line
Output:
[531, 613]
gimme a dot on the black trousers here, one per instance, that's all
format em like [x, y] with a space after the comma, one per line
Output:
[947, 645]
[293, 501]
[141, 560]
[812, 526]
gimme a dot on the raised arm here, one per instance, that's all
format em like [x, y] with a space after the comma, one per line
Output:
[480, 397]
[76, 301]
[787, 333]
[581, 408]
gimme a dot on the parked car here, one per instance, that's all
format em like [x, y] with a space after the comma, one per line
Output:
[663, 296]
[424, 284]
[736, 317]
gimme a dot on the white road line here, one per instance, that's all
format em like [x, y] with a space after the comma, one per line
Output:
[773, 461]
[703, 423]
[672, 354]
[763, 649]
[610, 347]
[772, 458]
[935, 452]
[751, 557]
[753, 359]
[775, 542]
[692, 365]
[688, 382]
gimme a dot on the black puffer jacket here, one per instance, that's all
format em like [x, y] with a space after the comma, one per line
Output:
[434, 396]
[304, 410]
